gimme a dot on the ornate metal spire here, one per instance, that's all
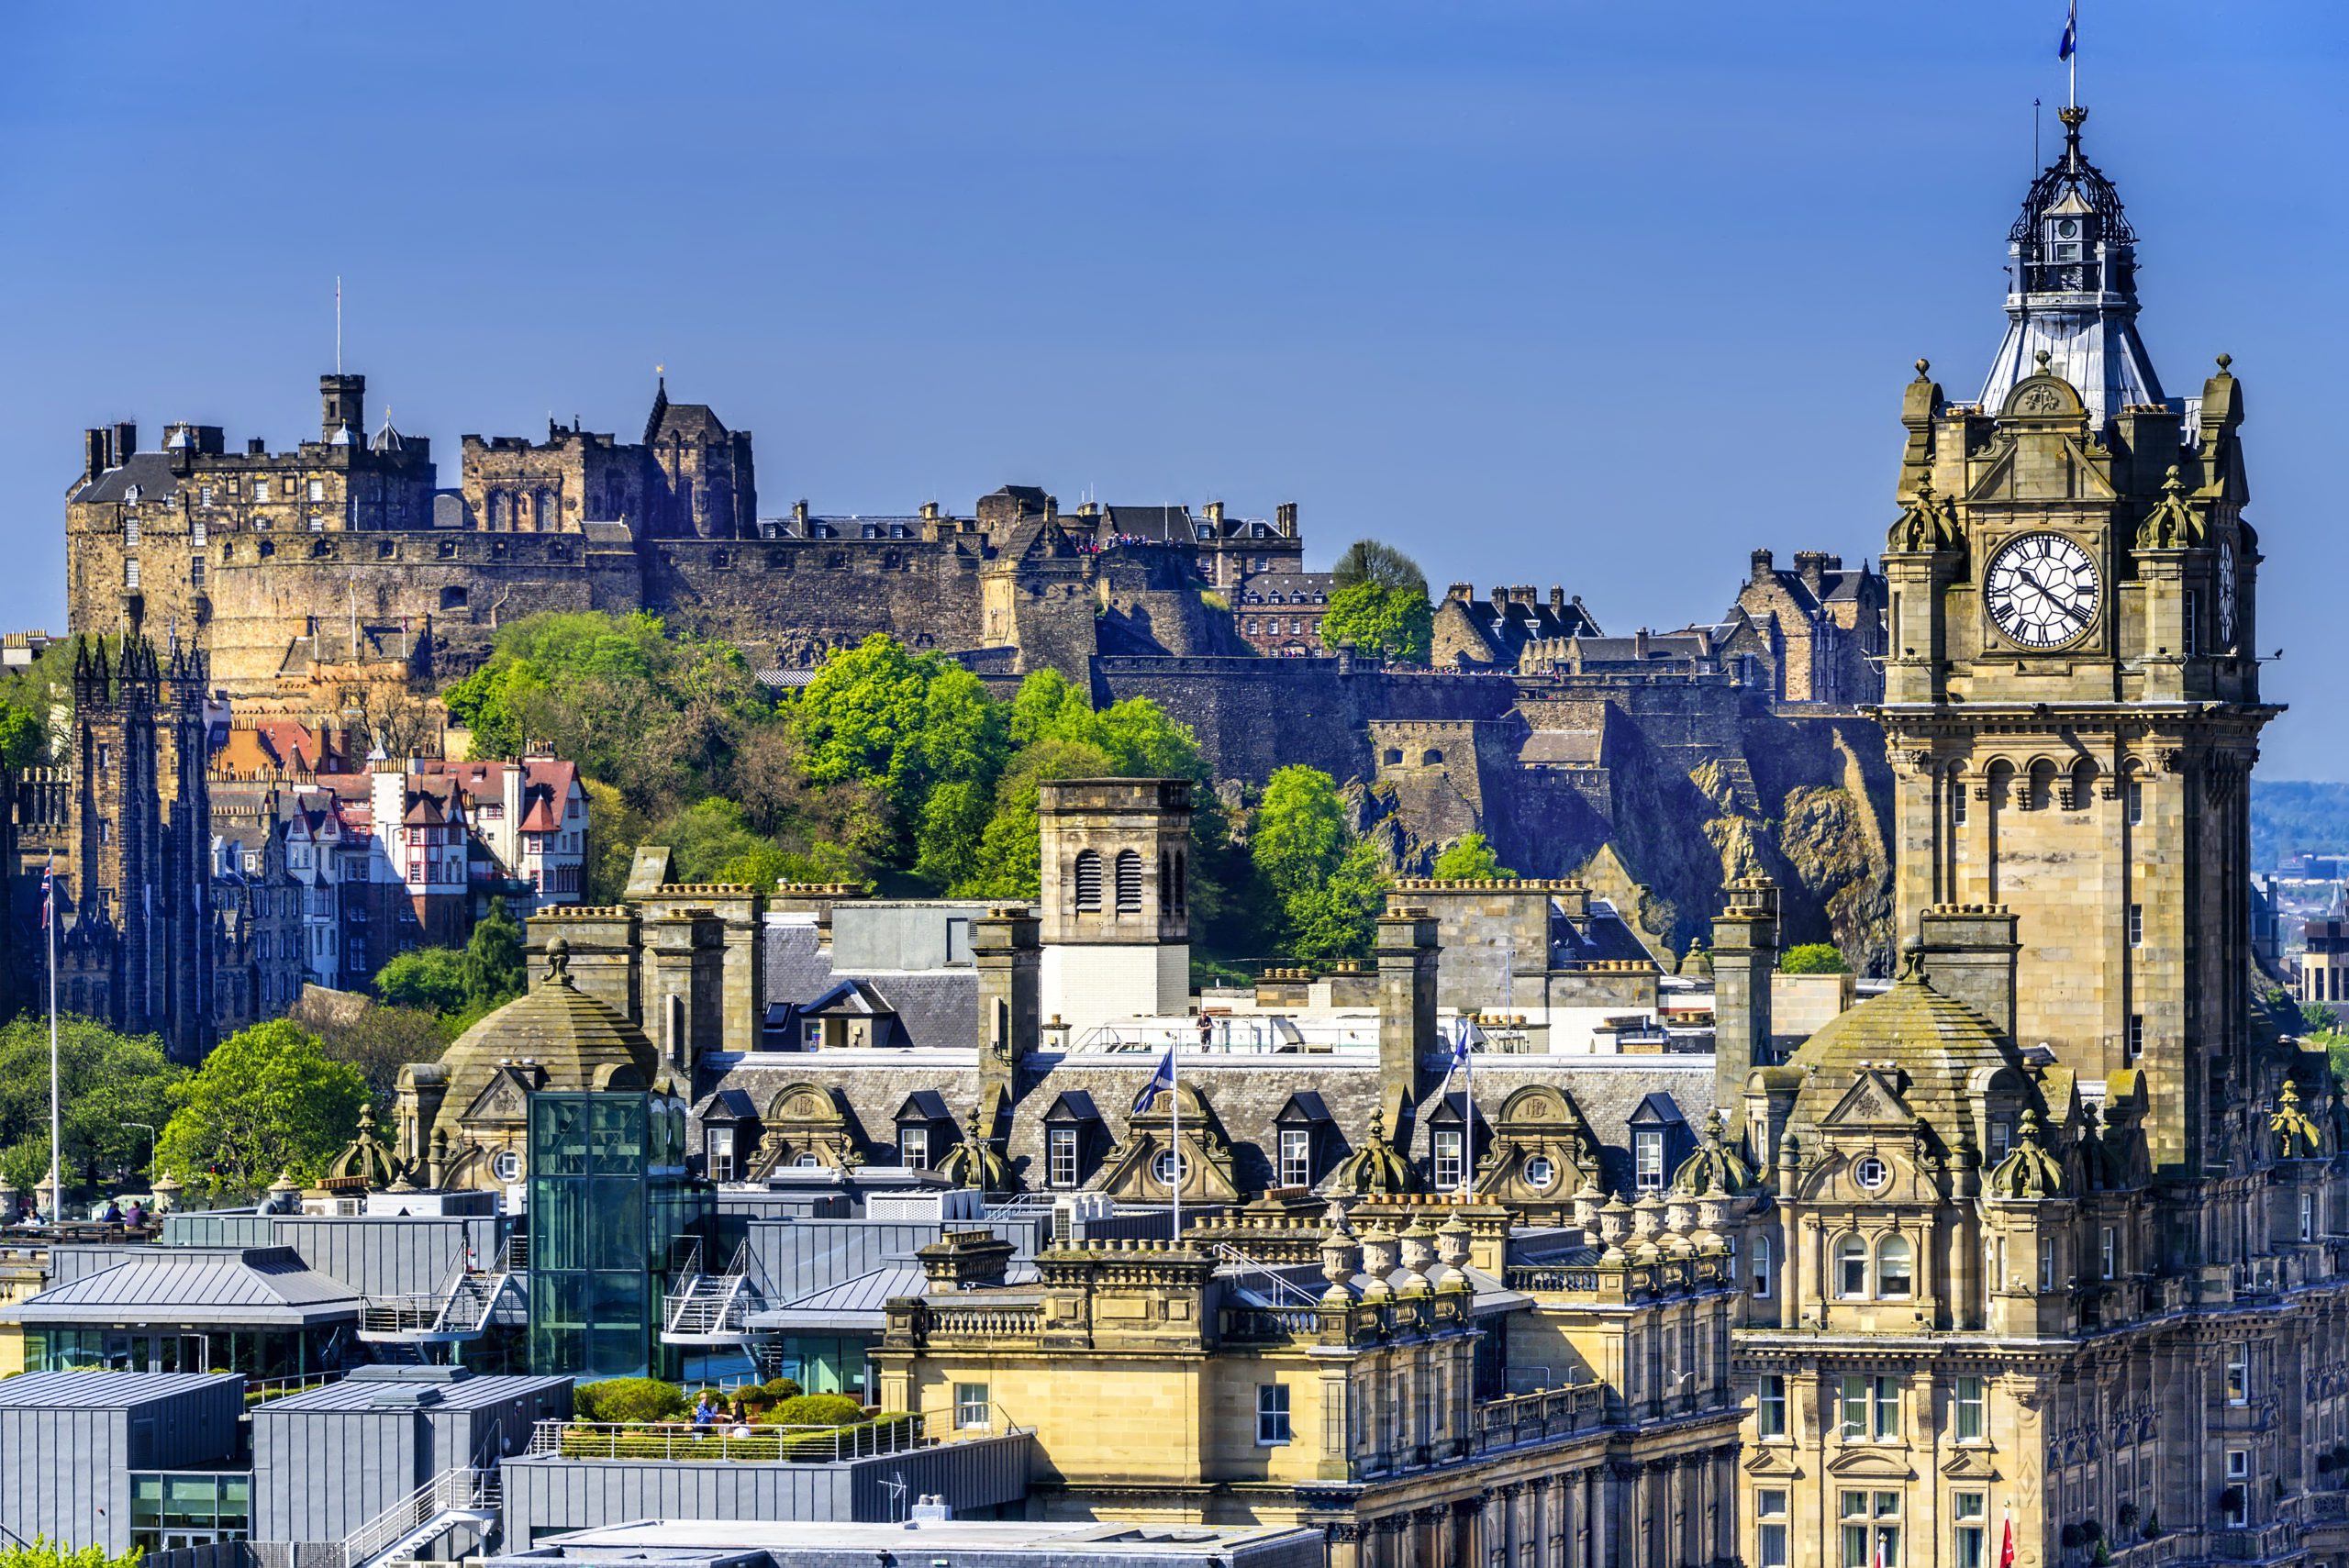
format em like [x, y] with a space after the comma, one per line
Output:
[2072, 289]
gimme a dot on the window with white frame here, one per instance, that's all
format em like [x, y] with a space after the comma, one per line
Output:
[2238, 1374]
[2136, 803]
[2307, 1216]
[1970, 1538]
[1770, 1535]
[1871, 1522]
[1296, 1156]
[1061, 1156]
[2047, 1262]
[1852, 1415]
[1447, 1147]
[2109, 1253]
[130, 573]
[1770, 1410]
[1852, 1269]
[130, 530]
[718, 1152]
[317, 490]
[260, 489]
[2136, 925]
[1648, 1146]
[1969, 1410]
[913, 1148]
[972, 1407]
[1895, 1268]
[1761, 1267]
[1272, 1414]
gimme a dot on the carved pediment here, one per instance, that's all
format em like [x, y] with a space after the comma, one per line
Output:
[1131, 1170]
[806, 1106]
[1773, 1461]
[1970, 1464]
[506, 1098]
[1872, 1103]
[1873, 1464]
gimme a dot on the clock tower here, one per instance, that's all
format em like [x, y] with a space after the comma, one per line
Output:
[2071, 691]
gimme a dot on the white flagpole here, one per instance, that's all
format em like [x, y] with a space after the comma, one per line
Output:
[1174, 1129]
[1468, 1116]
[2073, 17]
[56, 1098]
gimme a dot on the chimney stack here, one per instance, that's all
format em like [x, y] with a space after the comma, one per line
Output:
[1286, 515]
[1745, 955]
[125, 441]
[1969, 952]
[343, 401]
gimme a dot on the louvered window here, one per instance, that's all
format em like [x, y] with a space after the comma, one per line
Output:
[1088, 883]
[1128, 883]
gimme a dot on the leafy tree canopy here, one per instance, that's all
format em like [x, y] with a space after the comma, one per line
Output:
[494, 970]
[431, 979]
[1300, 833]
[106, 1080]
[43, 1553]
[1395, 622]
[377, 1039]
[1368, 561]
[267, 1100]
[1813, 958]
[1471, 858]
[657, 715]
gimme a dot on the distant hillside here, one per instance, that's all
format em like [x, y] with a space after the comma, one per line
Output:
[2288, 815]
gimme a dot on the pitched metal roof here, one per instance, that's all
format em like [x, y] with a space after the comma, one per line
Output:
[395, 1393]
[268, 1286]
[103, 1390]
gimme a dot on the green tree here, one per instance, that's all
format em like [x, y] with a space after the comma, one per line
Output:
[1813, 958]
[614, 830]
[1006, 865]
[23, 1164]
[1395, 622]
[43, 1553]
[106, 1080]
[1339, 918]
[1300, 834]
[2318, 1019]
[493, 969]
[1368, 561]
[267, 1100]
[376, 1040]
[1471, 858]
[430, 979]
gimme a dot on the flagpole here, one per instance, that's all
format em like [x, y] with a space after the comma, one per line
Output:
[55, 1111]
[1174, 1131]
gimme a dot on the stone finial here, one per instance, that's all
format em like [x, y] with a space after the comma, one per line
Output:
[1922, 367]
[559, 962]
[1378, 1250]
[1419, 1246]
[1451, 1239]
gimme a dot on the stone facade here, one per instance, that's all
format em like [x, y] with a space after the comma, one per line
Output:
[2049, 1240]
[1819, 631]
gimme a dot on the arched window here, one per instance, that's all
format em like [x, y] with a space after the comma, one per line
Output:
[1431, 756]
[542, 511]
[1852, 1269]
[1128, 883]
[1088, 883]
[1182, 882]
[1895, 1268]
[1761, 1267]
[496, 510]
[1394, 754]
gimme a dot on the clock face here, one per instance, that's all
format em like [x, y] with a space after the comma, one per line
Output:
[2041, 591]
[2226, 592]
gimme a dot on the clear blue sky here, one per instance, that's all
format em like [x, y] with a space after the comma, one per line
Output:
[1596, 294]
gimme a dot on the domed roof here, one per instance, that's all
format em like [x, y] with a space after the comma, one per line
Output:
[575, 1040]
[1936, 1042]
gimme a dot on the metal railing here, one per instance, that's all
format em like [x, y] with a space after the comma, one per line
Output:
[462, 1311]
[1283, 1290]
[725, 1442]
[711, 1306]
[460, 1491]
[258, 1389]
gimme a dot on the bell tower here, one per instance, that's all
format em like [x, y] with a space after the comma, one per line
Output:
[2071, 695]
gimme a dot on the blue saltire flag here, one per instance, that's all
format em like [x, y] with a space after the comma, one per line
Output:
[1160, 1082]
[2071, 32]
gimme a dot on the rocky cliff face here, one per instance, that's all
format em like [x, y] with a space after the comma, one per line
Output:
[1804, 801]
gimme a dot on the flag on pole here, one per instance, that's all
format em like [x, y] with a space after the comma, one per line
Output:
[1160, 1082]
[2007, 1542]
[1465, 1038]
[2071, 43]
[48, 890]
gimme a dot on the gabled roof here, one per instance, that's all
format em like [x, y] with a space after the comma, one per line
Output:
[1656, 1106]
[923, 1105]
[261, 1286]
[1073, 1105]
[1306, 1105]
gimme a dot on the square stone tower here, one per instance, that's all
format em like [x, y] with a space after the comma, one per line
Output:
[1116, 916]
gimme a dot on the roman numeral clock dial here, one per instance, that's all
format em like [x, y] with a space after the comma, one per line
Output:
[2041, 591]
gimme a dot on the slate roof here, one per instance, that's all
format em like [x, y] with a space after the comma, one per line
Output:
[151, 472]
[577, 1039]
[262, 1286]
[1300, 589]
[861, 1303]
[1935, 1043]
